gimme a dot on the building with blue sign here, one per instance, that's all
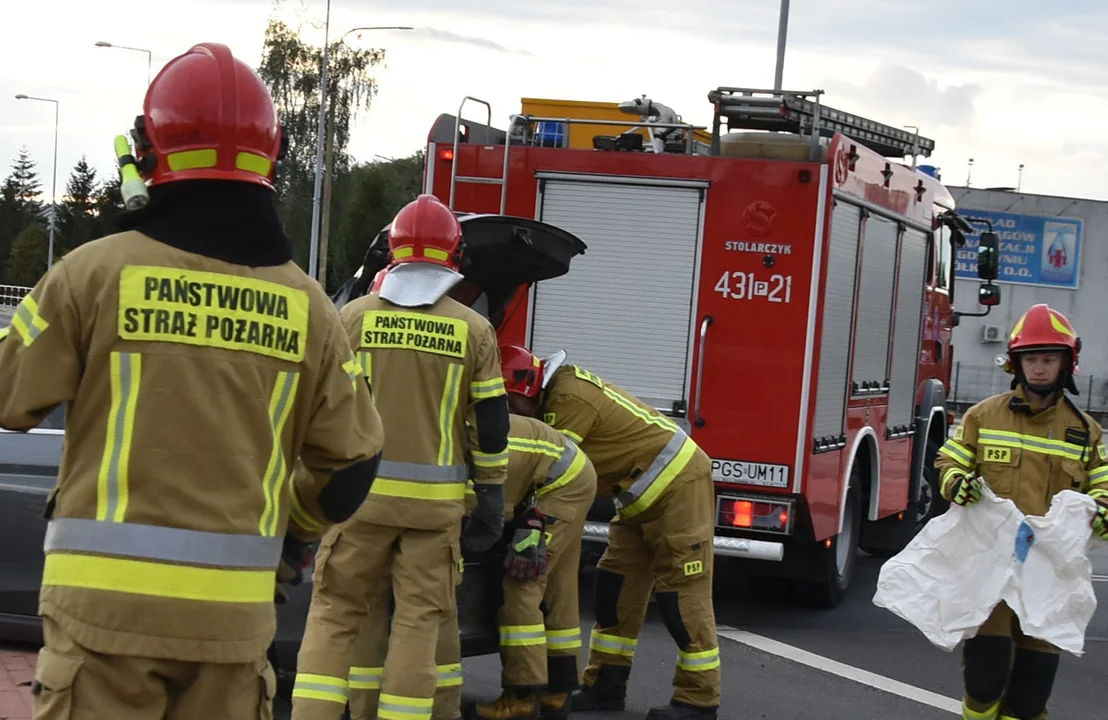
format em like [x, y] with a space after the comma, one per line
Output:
[1052, 250]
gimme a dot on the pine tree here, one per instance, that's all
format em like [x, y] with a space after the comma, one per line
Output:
[19, 204]
[108, 204]
[77, 221]
[27, 260]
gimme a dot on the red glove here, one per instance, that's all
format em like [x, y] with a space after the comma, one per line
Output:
[526, 559]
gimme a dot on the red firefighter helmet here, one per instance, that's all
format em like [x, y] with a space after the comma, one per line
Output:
[1041, 328]
[426, 231]
[522, 370]
[207, 115]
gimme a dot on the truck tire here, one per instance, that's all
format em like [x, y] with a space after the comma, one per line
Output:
[931, 504]
[834, 565]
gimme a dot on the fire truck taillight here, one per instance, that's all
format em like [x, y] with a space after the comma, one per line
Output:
[446, 154]
[752, 514]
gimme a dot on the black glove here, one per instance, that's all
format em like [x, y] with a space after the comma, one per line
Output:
[294, 558]
[486, 523]
[526, 559]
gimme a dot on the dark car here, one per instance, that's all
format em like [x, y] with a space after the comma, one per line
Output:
[502, 255]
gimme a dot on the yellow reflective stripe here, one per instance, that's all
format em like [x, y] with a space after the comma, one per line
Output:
[698, 661]
[969, 713]
[435, 253]
[1032, 443]
[365, 360]
[192, 159]
[449, 675]
[522, 635]
[418, 490]
[563, 639]
[320, 687]
[27, 322]
[181, 582]
[659, 420]
[958, 453]
[658, 484]
[352, 370]
[1098, 492]
[366, 678]
[403, 252]
[300, 514]
[251, 162]
[573, 436]
[951, 475]
[490, 460]
[1099, 475]
[280, 407]
[565, 478]
[612, 644]
[112, 490]
[535, 447]
[484, 389]
[400, 707]
[447, 409]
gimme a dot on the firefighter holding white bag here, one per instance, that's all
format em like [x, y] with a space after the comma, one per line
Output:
[1027, 445]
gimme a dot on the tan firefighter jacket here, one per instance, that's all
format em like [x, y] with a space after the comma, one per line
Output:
[192, 385]
[637, 451]
[1027, 457]
[543, 461]
[428, 366]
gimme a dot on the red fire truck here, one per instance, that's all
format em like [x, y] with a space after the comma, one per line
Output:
[785, 292]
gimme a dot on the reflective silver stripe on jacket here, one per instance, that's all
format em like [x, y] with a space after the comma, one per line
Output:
[661, 460]
[165, 544]
[421, 472]
[561, 465]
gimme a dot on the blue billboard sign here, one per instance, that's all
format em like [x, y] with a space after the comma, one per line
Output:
[1034, 249]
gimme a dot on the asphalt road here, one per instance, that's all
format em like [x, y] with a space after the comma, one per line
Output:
[892, 670]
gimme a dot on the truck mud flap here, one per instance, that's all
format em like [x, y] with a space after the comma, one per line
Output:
[727, 546]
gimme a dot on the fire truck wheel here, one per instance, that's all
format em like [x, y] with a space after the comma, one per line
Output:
[833, 564]
[931, 502]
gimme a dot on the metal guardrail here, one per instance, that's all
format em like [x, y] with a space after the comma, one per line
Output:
[11, 295]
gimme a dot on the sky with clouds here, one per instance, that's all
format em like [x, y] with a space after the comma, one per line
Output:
[1003, 82]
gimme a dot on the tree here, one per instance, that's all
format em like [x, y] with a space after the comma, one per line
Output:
[77, 221]
[27, 261]
[19, 204]
[292, 70]
[108, 204]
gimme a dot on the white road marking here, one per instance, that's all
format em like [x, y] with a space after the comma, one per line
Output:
[849, 672]
[1100, 578]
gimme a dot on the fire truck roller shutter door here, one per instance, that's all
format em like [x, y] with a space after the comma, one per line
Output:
[631, 231]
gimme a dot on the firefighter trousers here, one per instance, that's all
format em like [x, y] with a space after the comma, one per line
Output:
[73, 682]
[1006, 674]
[540, 622]
[354, 560]
[371, 648]
[668, 549]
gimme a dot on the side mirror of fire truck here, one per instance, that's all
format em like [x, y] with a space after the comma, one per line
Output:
[988, 257]
[988, 295]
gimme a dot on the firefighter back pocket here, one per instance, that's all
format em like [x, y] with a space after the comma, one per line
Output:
[998, 464]
[53, 687]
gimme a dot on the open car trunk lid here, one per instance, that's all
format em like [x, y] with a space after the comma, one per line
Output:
[502, 254]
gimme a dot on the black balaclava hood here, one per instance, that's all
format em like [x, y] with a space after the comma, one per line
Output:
[227, 220]
[1063, 382]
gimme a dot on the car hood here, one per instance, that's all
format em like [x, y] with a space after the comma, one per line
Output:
[503, 253]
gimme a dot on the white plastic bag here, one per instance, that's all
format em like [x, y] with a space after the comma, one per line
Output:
[949, 578]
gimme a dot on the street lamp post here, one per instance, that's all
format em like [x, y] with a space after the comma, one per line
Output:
[149, 55]
[317, 192]
[54, 179]
[782, 31]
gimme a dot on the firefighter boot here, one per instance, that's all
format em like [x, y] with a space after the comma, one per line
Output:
[513, 704]
[555, 706]
[608, 693]
[681, 711]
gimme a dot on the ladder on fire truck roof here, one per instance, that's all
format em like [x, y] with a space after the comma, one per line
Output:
[793, 112]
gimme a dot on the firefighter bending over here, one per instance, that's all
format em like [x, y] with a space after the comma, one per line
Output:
[551, 486]
[197, 361]
[661, 538]
[431, 361]
[1028, 445]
